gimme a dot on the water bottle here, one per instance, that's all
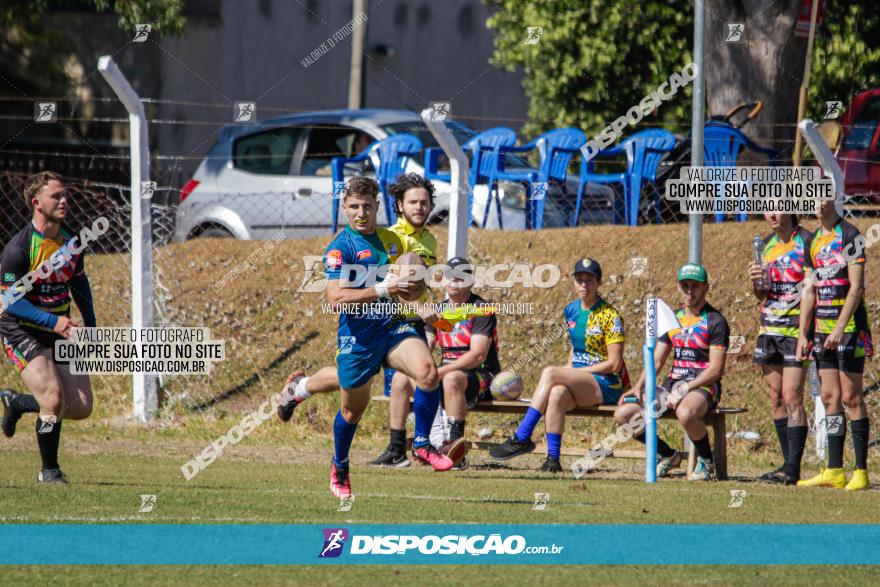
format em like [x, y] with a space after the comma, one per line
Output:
[813, 381]
[758, 252]
[819, 433]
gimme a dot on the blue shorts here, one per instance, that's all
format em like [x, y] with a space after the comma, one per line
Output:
[358, 359]
[611, 388]
[389, 372]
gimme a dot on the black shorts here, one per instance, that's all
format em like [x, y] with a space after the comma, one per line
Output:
[712, 393]
[849, 356]
[776, 350]
[478, 383]
[22, 345]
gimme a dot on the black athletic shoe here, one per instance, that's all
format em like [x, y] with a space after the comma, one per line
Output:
[551, 465]
[511, 448]
[391, 458]
[285, 410]
[11, 416]
[52, 476]
[783, 478]
[768, 476]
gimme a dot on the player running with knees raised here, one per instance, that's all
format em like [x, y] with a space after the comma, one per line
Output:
[841, 342]
[413, 200]
[468, 354]
[371, 338]
[40, 315]
[775, 282]
[594, 377]
[693, 387]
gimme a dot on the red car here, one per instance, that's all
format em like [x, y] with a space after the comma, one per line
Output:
[859, 154]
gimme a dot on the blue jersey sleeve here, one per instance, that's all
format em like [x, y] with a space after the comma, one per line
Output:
[338, 253]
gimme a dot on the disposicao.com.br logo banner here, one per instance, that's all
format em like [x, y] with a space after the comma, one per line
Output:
[475, 544]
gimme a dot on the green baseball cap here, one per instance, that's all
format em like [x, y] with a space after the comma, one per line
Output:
[693, 272]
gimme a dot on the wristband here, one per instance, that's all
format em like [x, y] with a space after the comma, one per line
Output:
[381, 291]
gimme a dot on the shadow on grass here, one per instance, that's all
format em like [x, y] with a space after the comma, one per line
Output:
[254, 377]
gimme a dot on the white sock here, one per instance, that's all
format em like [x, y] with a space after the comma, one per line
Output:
[438, 430]
[300, 392]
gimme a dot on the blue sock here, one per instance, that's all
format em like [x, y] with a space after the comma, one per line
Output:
[527, 426]
[425, 404]
[343, 435]
[554, 442]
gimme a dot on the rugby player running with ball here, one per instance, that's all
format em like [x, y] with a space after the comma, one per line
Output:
[40, 316]
[413, 201]
[371, 338]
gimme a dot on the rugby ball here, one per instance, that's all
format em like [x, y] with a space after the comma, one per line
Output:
[507, 385]
[406, 267]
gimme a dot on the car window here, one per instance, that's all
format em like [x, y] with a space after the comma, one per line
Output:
[326, 142]
[266, 153]
[863, 128]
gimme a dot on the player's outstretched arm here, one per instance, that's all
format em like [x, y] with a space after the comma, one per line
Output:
[82, 296]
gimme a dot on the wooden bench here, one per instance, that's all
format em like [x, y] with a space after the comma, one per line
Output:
[715, 419]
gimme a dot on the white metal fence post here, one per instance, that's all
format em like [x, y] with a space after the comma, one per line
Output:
[146, 401]
[458, 199]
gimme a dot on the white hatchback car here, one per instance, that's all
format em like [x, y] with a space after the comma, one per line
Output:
[270, 178]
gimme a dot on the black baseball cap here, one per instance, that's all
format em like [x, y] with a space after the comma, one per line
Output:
[590, 266]
[458, 262]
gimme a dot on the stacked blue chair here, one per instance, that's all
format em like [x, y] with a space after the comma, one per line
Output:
[389, 157]
[556, 149]
[723, 144]
[484, 150]
[644, 151]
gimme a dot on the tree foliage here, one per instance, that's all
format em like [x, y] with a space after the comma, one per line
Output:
[32, 55]
[846, 57]
[597, 58]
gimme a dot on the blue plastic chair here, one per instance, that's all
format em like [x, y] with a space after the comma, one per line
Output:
[389, 156]
[723, 144]
[556, 149]
[484, 149]
[644, 151]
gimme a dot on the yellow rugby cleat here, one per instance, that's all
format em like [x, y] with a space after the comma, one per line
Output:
[859, 481]
[835, 478]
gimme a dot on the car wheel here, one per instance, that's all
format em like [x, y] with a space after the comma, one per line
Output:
[213, 232]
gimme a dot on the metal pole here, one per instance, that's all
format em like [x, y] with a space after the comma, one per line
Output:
[649, 401]
[802, 97]
[358, 42]
[459, 198]
[146, 401]
[695, 222]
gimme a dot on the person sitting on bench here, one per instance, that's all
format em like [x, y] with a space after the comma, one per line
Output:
[694, 384]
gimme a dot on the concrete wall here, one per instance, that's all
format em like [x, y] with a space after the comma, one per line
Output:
[237, 50]
[440, 50]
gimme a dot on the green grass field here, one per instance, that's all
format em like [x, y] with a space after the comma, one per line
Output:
[273, 483]
[279, 474]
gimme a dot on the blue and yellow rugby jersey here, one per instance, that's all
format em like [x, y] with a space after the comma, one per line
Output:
[370, 251]
[826, 257]
[25, 253]
[592, 330]
[785, 262]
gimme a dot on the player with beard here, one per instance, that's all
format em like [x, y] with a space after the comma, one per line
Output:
[38, 315]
